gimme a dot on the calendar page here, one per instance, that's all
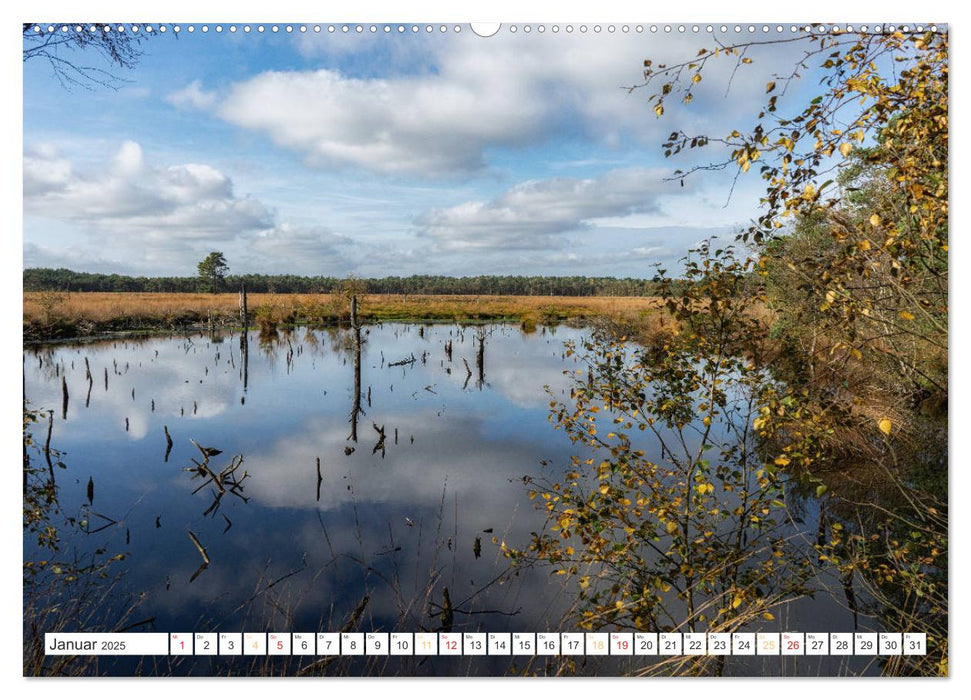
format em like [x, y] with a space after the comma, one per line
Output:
[429, 348]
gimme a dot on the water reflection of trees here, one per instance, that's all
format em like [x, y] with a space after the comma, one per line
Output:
[65, 587]
[884, 541]
[226, 481]
[693, 536]
[711, 534]
[406, 589]
[356, 409]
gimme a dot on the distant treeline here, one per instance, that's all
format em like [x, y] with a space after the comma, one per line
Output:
[43, 279]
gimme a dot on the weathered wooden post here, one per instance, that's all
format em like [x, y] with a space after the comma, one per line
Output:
[244, 336]
[64, 398]
[480, 357]
[356, 408]
[243, 310]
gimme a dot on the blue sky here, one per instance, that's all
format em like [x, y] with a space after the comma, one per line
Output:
[383, 154]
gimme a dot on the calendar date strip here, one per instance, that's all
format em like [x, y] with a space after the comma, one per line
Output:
[324, 644]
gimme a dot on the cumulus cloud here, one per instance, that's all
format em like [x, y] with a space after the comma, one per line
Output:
[435, 123]
[44, 171]
[289, 249]
[438, 111]
[156, 218]
[300, 242]
[533, 214]
[127, 195]
[192, 96]
[415, 125]
[72, 257]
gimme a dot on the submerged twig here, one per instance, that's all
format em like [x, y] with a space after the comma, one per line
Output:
[168, 442]
[198, 544]
[380, 443]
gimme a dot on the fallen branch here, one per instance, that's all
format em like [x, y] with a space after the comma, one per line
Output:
[407, 361]
[198, 544]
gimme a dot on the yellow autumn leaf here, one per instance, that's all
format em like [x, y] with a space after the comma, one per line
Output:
[885, 425]
[659, 109]
[782, 461]
[696, 78]
[864, 245]
[736, 601]
[845, 149]
[768, 616]
[672, 527]
[875, 220]
[906, 315]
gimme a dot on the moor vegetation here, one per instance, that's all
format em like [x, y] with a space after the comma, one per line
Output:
[51, 315]
[839, 395]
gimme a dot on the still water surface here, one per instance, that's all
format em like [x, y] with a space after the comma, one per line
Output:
[397, 519]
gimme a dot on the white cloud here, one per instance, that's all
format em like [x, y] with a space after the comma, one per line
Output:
[45, 172]
[192, 96]
[464, 96]
[161, 218]
[534, 214]
[71, 257]
[419, 125]
[646, 251]
[438, 122]
[127, 195]
[288, 249]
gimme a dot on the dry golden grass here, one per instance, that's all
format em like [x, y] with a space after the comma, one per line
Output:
[91, 311]
[107, 306]
[513, 307]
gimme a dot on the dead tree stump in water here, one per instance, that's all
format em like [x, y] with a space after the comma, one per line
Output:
[64, 398]
[243, 309]
[480, 358]
[356, 408]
